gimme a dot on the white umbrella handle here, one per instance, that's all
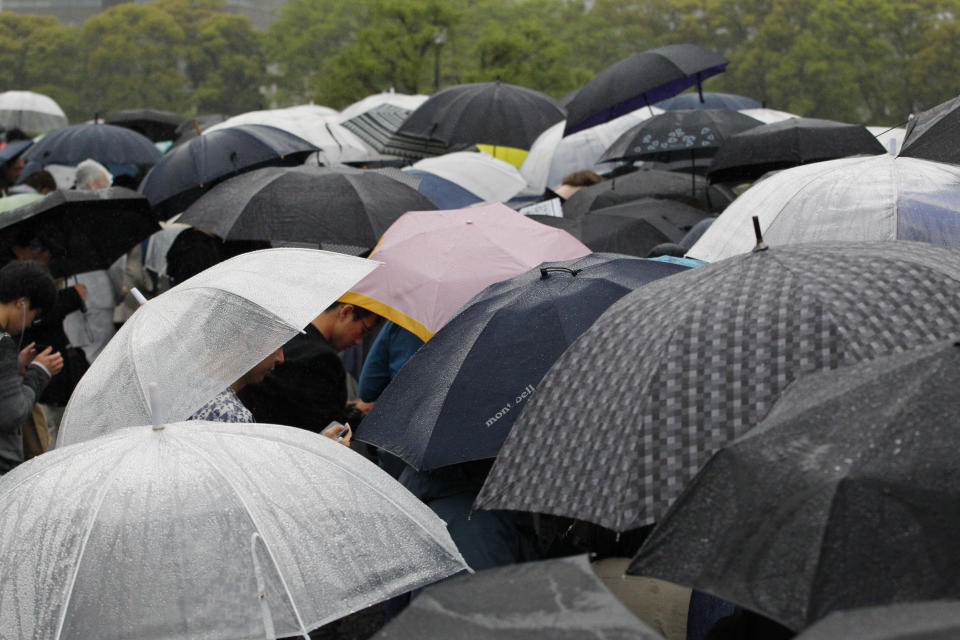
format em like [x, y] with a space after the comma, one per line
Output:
[139, 297]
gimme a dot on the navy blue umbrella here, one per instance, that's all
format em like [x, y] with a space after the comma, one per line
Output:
[105, 143]
[442, 192]
[191, 169]
[456, 399]
[640, 80]
[709, 100]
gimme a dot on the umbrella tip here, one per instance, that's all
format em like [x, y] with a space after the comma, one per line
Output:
[153, 389]
[761, 245]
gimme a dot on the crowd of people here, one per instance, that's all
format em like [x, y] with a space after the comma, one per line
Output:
[324, 380]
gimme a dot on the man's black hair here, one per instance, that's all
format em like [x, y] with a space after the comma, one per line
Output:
[28, 279]
[359, 313]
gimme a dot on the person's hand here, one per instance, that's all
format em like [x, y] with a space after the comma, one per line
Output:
[332, 431]
[81, 290]
[52, 361]
[26, 357]
[361, 405]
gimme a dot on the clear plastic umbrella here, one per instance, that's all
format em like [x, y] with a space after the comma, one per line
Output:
[203, 334]
[30, 111]
[878, 197]
[207, 530]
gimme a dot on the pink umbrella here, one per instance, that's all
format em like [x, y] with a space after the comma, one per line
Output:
[435, 261]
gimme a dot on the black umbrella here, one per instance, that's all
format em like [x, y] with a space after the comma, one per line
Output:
[154, 124]
[487, 114]
[678, 135]
[846, 495]
[632, 228]
[456, 399]
[640, 80]
[306, 204]
[558, 599]
[678, 368]
[938, 620]
[935, 134]
[709, 100]
[375, 126]
[105, 143]
[85, 230]
[748, 155]
[189, 170]
[646, 183]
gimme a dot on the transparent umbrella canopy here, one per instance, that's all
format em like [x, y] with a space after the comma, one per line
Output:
[868, 198]
[202, 335]
[206, 531]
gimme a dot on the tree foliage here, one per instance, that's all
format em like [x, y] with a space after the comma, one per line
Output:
[872, 61]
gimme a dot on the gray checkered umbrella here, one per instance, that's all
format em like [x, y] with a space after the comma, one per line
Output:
[673, 371]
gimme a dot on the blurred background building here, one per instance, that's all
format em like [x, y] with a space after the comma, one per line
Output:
[73, 12]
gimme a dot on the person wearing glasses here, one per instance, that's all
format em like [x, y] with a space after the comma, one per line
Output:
[309, 389]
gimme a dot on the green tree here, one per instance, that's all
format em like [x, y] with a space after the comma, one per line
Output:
[395, 48]
[132, 60]
[304, 35]
[226, 65]
[39, 54]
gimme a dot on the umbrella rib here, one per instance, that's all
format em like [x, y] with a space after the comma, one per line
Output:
[101, 497]
[250, 514]
[360, 479]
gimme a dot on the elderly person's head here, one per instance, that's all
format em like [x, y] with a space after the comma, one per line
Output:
[91, 175]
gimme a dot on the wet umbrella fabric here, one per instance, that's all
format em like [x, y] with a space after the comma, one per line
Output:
[443, 193]
[316, 205]
[704, 355]
[315, 124]
[375, 118]
[154, 124]
[486, 177]
[788, 143]
[560, 599]
[846, 495]
[202, 335]
[85, 230]
[189, 170]
[493, 114]
[553, 157]
[456, 399]
[868, 198]
[632, 228]
[29, 111]
[709, 100]
[105, 143]
[638, 81]
[645, 183]
[935, 134]
[435, 261]
[939, 620]
[677, 135]
[207, 530]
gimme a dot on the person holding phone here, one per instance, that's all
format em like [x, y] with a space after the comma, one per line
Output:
[26, 291]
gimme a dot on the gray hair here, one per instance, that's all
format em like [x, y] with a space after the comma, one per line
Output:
[90, 173]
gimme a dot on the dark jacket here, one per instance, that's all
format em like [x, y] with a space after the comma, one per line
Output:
[16, 402]
[308, 390]
[48, 331]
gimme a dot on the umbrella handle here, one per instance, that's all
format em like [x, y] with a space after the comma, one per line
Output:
[546, 271]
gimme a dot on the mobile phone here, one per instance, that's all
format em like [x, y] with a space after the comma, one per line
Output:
[336, 429]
